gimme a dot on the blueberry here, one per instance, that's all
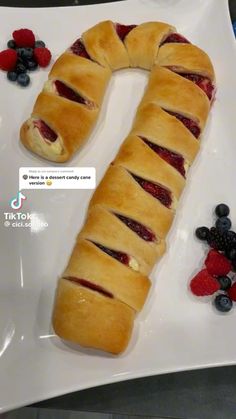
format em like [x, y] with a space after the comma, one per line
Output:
[20, 68]
[223, 303]
[26, 53]
[202, 233]
[222, 210]
[12, 75]
[31, 65]
[225, 282]
[11, 44]
[223, 224]
[39, 44]
[23, 79]
[19, 51]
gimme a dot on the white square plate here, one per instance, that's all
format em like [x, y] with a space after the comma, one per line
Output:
[174, 331]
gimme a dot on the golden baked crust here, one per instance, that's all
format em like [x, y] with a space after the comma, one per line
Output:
[186, 58]
[94, 265]
[154, 124]
[142, 43]
[136, 157]
[90, 319]
[172, 92]
[132, 209]
[121, 194]
[104, 46]
[105, 228]
[86, 77]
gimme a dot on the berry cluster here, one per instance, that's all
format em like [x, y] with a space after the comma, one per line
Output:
[220, 263]
[24, 54]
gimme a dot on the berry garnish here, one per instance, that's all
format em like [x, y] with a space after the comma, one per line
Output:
[232, 292]
[12, 75]
[223, 224]
[225, 282]
[217, 264]
[222, 210]
[20, 68]
[204, 284]
[202, 233]
[23, 79]
[31, 65]
[221, 240]
[24, 38]
[11, 44]
[223, 303]
[42, 56]
[27, 53]
[39, 44]
[23, 54]
[231, 254]
[8, 59]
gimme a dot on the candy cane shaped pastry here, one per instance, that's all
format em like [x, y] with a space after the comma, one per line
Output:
[106, 280]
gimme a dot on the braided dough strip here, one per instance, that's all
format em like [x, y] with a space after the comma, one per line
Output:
[106, 280]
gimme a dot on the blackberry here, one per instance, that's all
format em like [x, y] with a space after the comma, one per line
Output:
[221, 240]
[217, 240]
[231, 254]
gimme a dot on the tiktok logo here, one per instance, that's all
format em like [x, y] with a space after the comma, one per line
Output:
[17, 202]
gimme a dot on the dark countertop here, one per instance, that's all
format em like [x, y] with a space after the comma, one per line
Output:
[200, 394]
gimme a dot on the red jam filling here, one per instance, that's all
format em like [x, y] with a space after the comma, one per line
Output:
[157, 191]
[203, 82]
[123, 30]
[189, 123]
[68, 93]
[45, 130]
[143, 232]
[78, 48]
[120, 256]
[174, 159]
[175, 38]
[87, 284]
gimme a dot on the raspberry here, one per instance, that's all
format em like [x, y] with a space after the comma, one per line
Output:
[217, 264]
[24, 38]
[42, 56]
[8, 59]
[232, 292]
[204, 284]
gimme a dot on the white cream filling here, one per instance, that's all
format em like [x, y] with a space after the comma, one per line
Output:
[50, 87]
[133, 263]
